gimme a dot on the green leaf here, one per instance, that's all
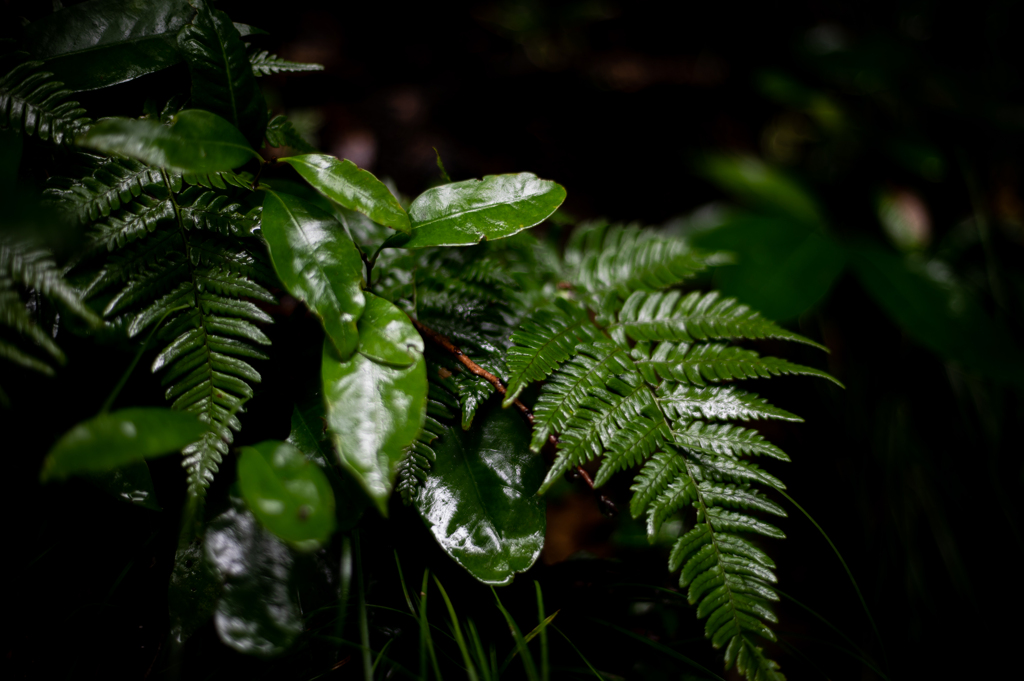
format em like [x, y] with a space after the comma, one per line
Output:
[222, 78]
[132, 483]
[470, 211]
[258, 612]
[480, 499]
[763, 186]
[197, 141]
[937, 311]
[288, 495]
[318, 263]
[351, 186]
[387, 336]
[110, 441]
[374, 410]
[264, 64]
[782, 268]
[104, 42]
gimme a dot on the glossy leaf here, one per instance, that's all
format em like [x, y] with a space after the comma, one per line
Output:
[197, 141]
[258, 612]
[480, 500]
[194, 589]
[374, 410]
[351, 186]
[289, 495]
[937, 311]
[781, 267]
[318, 263]
[110, 441]
[104, 42]
[387, 336]
[470, 211]
[222, 78]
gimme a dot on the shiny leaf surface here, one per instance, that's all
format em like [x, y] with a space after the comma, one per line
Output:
[104, 42]
[258, 612]
[351, 186]
[782, 268]
[470, 211]
[222, 78]
[374, 410]
[289, 495]
[387, 336]
[318, 263]
[110, 441]
[480, 499]
[197, 141]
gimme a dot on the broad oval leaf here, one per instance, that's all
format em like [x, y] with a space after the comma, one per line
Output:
[197, 141]
[258, 612]
[351, 186]
[374, 411]
[480, 499]
[104, 42]
[386, 335]
[132, 483]
[318, 263]
[289, 495]
[111, 441]
[470, 211]
[782, 267]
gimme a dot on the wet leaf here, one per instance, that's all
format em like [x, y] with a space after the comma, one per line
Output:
[132, 483]
[470, 211]
[258, 612]
[193, 589]
[480, 499]
[289, 495]
[375, 410]
[318, 263]
[105, 42]
[351, 186]
[197, 141]
[386, 335]
[110, 441]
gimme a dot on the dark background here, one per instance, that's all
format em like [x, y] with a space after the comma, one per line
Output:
[911, 469]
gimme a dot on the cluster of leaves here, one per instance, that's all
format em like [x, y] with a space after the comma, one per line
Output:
[428, 308]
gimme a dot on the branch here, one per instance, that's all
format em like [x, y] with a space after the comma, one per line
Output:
[474, 368]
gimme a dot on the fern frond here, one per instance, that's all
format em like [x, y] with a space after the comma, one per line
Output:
[543, 342]
[699, 363]
[32, 103]
[135, 220]
[726, 439]
[281, 133]
[625, 259]
[220, 180]
[592, 367]
[670, 316]
[33, 267]
[722, 403]
[103, 186]
[266, 64]
[599, 416]
[419, 458]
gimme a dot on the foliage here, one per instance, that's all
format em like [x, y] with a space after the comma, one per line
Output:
[435, 318]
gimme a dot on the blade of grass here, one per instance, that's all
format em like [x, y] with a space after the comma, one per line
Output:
[521, 645]
[457, 631]
[544, 622]
[662, 648]
[478, 650]
[405, 591]
[426, 643]
[537, 630]
[573, 646]
[849, 573]
[380, 655]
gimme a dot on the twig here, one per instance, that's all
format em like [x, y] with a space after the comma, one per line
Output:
[478, 370]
